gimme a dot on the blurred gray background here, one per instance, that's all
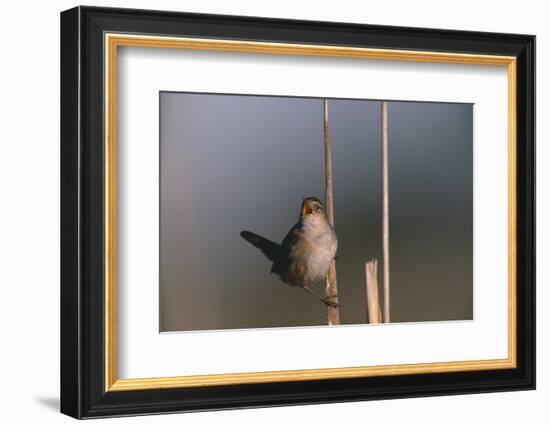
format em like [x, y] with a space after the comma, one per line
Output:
[231, 162]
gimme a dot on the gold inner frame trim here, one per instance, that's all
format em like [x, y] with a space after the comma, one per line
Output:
[113, 41]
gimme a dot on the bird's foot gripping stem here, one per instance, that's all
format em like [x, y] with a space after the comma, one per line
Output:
[329, 303]
[326, 300]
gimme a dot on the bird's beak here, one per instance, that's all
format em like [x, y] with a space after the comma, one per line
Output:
[306, 209]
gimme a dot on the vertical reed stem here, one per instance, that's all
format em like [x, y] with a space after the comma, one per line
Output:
[373, 303]
[385, 213]
[333, 314]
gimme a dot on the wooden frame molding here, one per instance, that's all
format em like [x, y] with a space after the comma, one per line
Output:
[114, 40]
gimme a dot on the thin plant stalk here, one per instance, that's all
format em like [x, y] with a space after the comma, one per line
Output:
[374, 313]
[333, 313]
[385, 213]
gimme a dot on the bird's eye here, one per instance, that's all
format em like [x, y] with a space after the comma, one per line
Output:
[318, 207]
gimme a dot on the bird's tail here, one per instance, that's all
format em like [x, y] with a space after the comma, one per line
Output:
[269, 249]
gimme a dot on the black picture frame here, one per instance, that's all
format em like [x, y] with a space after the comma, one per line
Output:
[83, 392]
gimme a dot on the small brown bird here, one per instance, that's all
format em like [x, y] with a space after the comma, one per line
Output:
[304, 256]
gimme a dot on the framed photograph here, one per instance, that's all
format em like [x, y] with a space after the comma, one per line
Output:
[261, 212]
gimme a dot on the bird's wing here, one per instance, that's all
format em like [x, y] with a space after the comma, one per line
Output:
[270, 249]
[281, 266]
[291, 237]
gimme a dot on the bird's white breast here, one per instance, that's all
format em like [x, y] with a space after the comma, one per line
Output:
[319, 250]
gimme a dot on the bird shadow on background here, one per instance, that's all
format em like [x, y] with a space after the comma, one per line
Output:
[49, 402]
